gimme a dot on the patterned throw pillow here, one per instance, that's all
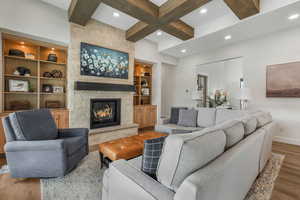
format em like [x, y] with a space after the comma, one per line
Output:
[151, 155]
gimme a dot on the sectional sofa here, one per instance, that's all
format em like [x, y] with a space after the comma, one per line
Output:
[219, 162]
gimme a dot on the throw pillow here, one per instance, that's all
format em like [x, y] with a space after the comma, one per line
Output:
[175, 114]
[188, 118]
[151, 155]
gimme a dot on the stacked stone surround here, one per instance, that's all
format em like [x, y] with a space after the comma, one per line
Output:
[100, 34]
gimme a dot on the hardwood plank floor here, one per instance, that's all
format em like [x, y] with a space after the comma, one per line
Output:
[287, 185]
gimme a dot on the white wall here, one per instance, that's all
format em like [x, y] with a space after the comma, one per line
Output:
[280, 47]
[147, 51]
[168, 72]
[35, 18]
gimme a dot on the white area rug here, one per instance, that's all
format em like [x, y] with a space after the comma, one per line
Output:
[85, 182]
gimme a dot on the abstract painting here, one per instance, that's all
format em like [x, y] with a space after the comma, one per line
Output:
[283, 80]
[103, 62]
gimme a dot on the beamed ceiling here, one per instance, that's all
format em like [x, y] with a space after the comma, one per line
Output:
[153, 17]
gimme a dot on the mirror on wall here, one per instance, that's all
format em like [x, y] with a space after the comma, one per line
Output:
[222, 82]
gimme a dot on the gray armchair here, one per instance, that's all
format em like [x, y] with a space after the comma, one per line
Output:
[36, 148]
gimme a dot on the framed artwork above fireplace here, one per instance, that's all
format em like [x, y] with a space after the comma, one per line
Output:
[105, 112]
[103, 62]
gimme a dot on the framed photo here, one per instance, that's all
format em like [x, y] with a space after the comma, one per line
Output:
[18, 85]
[103, 62]
[47, 88]
[58, 89]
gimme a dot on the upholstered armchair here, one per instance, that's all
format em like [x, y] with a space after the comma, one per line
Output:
[36, 148]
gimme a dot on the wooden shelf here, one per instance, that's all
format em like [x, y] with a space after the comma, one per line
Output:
[18, 76]
[55, 63]
[20, 58]
[38, 67]
[48, 93]
[57, 79]
[27, 93]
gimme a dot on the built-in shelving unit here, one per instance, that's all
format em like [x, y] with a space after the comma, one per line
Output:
[36, 60]
[142, 83]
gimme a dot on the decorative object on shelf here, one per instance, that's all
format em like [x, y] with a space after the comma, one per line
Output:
[219, 98]
[20, 105]
[56, 74]
[16, 52]
[144, 83]
[52, 104]
[103, 62]
[47, 88]
[58, 89]
[18, 85]
[145, 91]
[47, 74]
[283, 80]
[244, 95]
[23, 71]
[30, 56]
[52, 57]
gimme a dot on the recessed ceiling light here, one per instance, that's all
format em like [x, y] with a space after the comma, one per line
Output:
[115, 14]
[183, 51]
[294, 16]
[52, 49]
[159, 33]
[22, 43]
[227, 37]
[203, 11]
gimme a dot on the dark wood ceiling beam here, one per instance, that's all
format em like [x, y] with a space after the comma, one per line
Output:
[143, 10]
[81, 11]
[173, 10]
[245, 8]
[179, 29]
[140, 30]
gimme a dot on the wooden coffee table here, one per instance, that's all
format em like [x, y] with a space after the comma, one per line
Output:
[125, 148]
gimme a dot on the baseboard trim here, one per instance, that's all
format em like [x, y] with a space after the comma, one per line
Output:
[287, 140]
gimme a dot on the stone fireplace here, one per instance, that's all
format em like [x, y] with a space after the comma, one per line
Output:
[105, 112]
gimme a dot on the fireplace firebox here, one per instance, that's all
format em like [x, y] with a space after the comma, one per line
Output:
[105, 112]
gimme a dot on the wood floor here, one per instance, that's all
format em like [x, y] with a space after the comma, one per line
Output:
[287, 185]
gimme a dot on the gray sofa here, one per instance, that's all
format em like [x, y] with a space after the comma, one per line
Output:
[206, 117]
[36, 148]
[219, 162]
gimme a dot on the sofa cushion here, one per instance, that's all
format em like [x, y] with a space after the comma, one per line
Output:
[263, 118]
[223, 115]
[234, 131]
[185, 153]
[151, 155]
[250, 124]
[188, 118]
[175, 114]
[72, 144]
[206, 117]
[34, 125]
[175, 129]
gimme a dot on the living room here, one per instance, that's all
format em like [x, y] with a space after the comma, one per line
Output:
[152, 99]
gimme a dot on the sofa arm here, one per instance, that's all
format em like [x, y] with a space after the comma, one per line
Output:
[165, 121]
[73, 132]
[127, 182]
[46, 145]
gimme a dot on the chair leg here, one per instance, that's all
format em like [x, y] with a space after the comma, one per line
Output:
[101, 159]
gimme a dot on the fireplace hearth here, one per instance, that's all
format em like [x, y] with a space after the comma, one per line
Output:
[105, 112]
